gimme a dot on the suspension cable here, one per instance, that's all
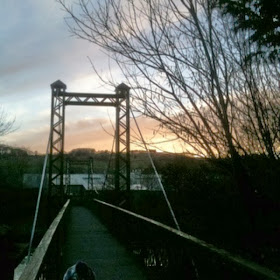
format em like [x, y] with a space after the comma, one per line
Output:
[109, 162]
[90, 173]
[157, 175]
[163, 190]
[38, 201]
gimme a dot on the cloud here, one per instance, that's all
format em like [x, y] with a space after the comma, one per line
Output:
[36, 47]
[36, 50]
[91, 133]
[87, 124]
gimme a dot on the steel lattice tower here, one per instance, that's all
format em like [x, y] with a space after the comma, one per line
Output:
[62, 98]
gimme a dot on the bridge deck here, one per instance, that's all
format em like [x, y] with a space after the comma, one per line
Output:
[88, 239]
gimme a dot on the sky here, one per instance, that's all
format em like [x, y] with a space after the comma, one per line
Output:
[37, 49]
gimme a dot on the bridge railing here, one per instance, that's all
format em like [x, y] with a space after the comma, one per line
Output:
[168, 253]
[45, 261]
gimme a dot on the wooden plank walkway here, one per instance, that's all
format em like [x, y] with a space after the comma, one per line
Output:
[89, 240]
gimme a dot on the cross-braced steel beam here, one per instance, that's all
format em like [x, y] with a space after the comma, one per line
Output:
[69, 169]
[122, 177]
[57, 138]
[61, 98]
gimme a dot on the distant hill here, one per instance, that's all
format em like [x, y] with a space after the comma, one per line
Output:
[9, 150]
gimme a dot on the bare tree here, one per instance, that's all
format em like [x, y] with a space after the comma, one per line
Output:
[187, 69]
[6, 123]
[256, 92]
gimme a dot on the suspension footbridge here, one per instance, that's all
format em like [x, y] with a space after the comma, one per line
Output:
[116, 242]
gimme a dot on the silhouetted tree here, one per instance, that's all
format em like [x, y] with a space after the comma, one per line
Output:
[188, 71]
[12, 168]
[261, 18]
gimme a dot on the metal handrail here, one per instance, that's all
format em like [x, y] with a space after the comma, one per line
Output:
[237, 261]
[32, 269]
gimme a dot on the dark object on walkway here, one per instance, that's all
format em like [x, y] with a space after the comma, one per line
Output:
[79, 271]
